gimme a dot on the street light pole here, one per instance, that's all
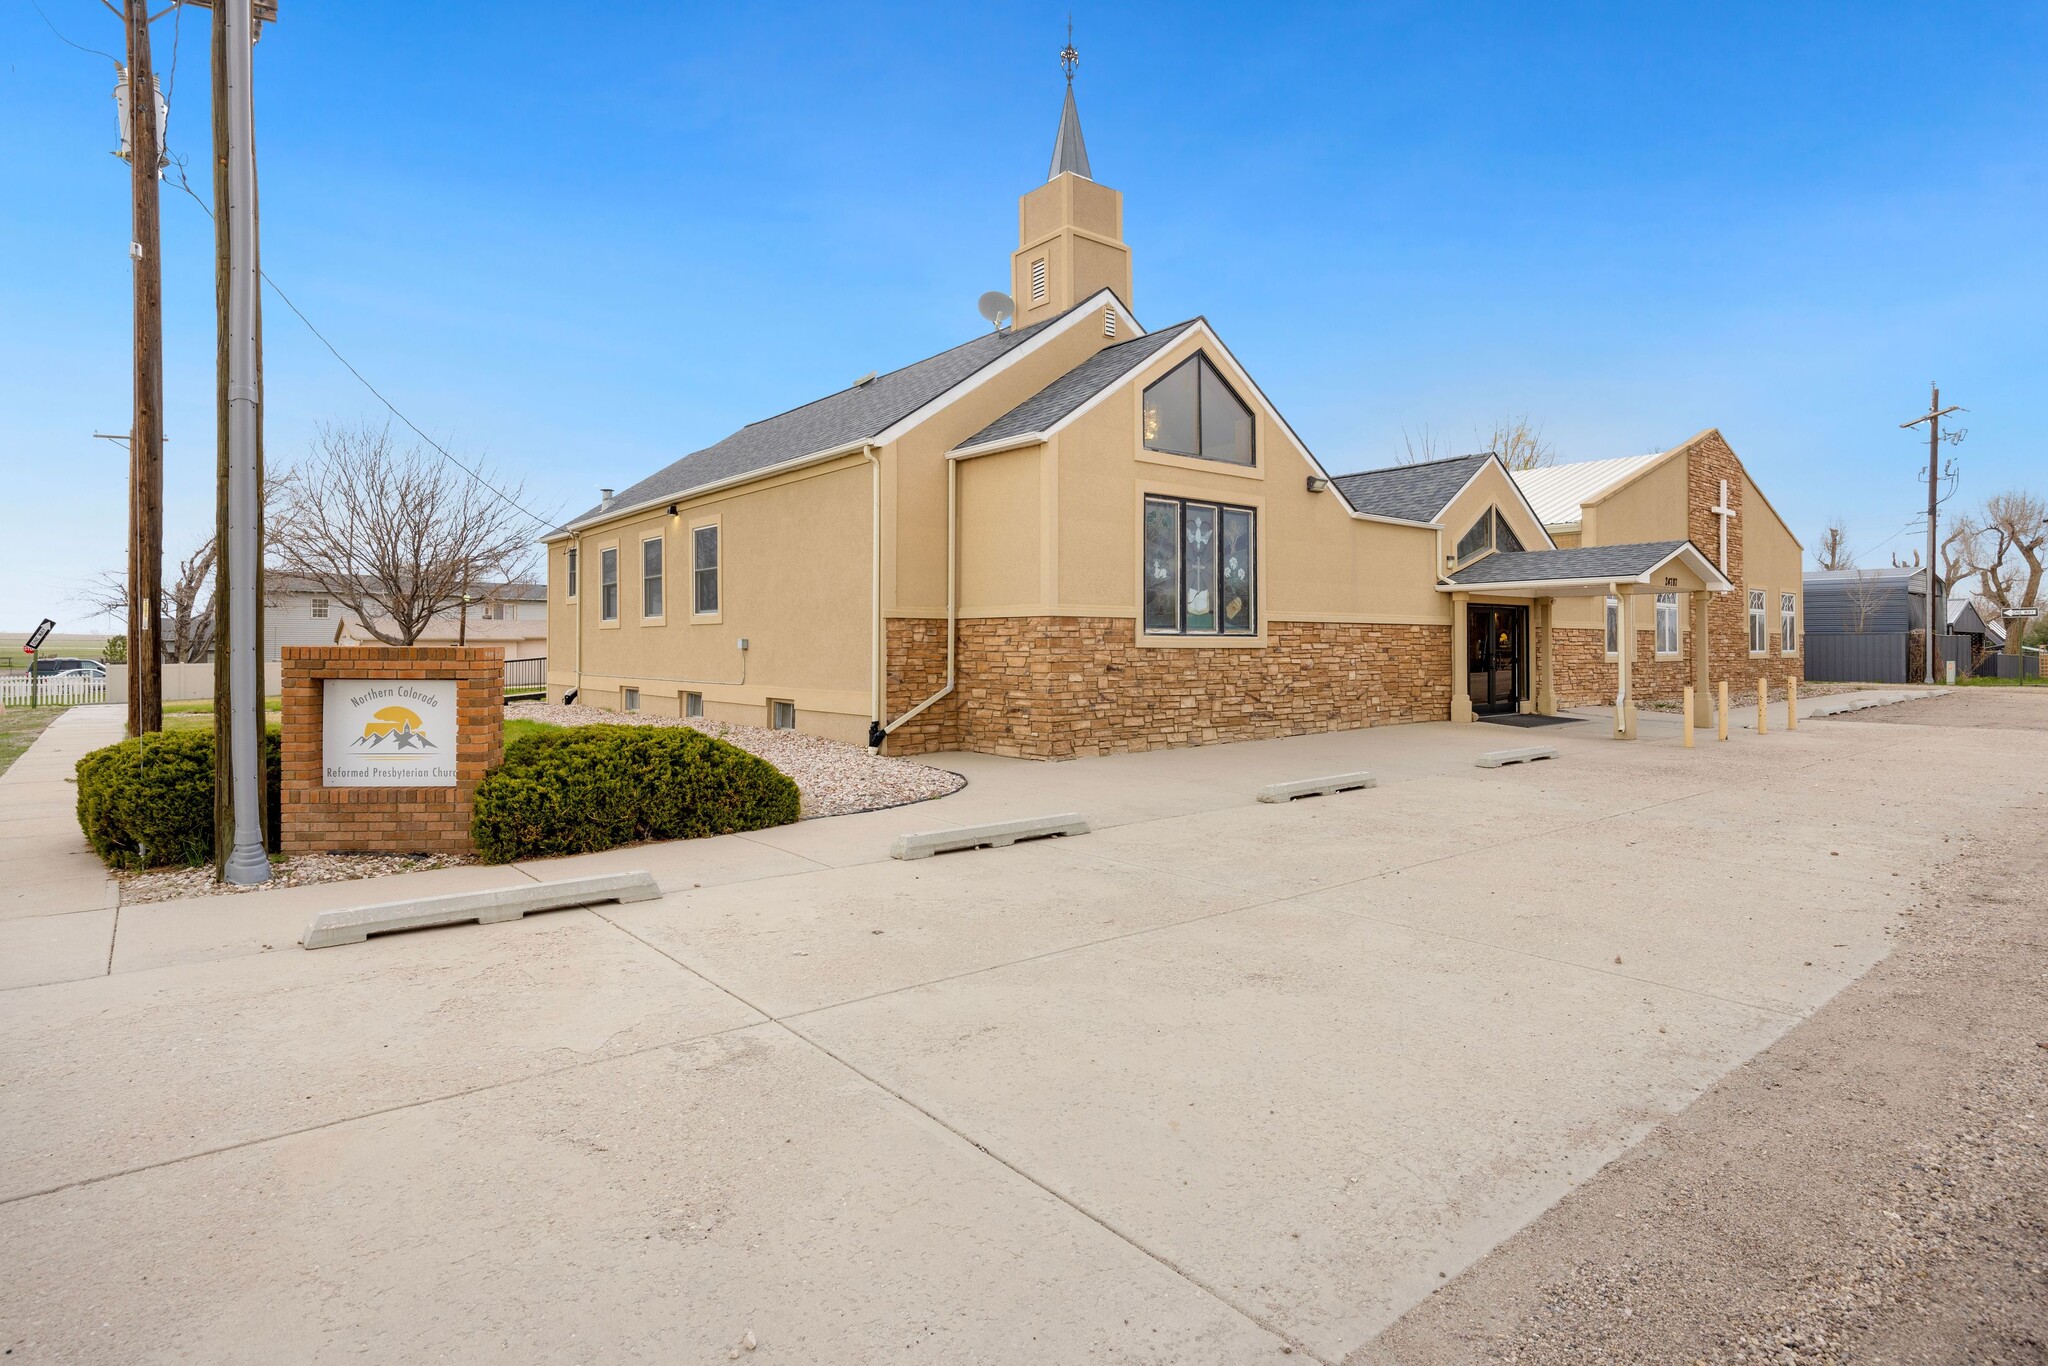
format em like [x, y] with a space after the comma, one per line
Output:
[248, 862]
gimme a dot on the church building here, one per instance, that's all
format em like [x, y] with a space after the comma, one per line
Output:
[1074, 534]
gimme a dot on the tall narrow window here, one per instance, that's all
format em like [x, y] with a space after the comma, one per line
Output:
[650, 577]
[1192, 410]
[572, 558]
[1667, 623]
[1614, 628]
[1788, 624]
[1201, 568]
[1759, 643]
[704, 570]
[608, 584]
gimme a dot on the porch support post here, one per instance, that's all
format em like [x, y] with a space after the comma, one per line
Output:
[1546, 658]
[1625, 695]
[1461, 682]
[1702, 689]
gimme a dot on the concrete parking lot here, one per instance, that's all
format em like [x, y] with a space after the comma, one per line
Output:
[1219, 1082]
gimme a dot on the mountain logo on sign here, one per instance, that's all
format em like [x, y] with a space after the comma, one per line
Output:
[398, 725]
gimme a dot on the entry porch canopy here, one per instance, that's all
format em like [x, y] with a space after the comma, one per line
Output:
[1540, 577]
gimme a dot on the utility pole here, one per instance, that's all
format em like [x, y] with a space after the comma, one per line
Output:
[146, 437]
[1932, 417]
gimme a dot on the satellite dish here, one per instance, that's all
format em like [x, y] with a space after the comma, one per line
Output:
[997, 307]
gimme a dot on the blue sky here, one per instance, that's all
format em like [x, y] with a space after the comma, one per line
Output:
[581, 248]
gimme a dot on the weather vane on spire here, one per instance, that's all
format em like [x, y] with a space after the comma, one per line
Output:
[1069, 59]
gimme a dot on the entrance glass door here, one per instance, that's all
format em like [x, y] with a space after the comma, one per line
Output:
[1496, 644]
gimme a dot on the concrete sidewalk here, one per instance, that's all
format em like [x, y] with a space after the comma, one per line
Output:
[57, 903]
[1221, 1082]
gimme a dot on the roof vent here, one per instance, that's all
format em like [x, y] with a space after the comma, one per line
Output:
[865, 380]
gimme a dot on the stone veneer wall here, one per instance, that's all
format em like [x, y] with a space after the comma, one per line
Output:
[315, 818]
[1066, 687]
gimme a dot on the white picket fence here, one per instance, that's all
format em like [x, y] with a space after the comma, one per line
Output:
[52, 692]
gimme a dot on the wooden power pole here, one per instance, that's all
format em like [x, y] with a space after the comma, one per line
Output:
[146, 437]
[1932, 417]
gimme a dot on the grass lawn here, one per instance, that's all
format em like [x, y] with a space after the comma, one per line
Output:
[517, 728]
[2002, 682]
[19, 727]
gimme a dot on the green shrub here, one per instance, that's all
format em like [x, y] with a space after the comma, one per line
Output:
[148, 802]
[586, 788]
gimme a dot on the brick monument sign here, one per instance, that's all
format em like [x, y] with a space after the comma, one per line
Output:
[384, 745]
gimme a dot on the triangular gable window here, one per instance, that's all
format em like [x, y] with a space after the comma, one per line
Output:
[1193, 411]
[1490, 532]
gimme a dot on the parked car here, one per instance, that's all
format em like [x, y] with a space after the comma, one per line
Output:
[61, 666]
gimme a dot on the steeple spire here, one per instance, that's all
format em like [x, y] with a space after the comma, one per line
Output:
[1069, 152]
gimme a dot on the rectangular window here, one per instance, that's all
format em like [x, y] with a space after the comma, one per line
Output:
[608, 584]
[1758, 642]
[650, 577]
[1201, 568]
[1614, 628]
[693, 704]
[704, 569]
[782, 716]
[630, 699]
[1038, 281]
[320, 608]
[1667, 623]
[1788, 624]
[572, 557]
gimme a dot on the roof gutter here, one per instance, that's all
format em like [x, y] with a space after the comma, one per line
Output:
[1007, 443]
[690, 495]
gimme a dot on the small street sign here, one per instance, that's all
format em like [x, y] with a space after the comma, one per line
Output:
[2023, 611]
[37, 636]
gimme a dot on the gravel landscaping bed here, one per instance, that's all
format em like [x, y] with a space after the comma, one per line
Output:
[834, 779]
[301, 870]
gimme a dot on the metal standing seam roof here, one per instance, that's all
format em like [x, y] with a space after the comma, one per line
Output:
[1046, 408]
[1581, 563]
[1411, 493]
[851, 415]
[1913, 580]
[1557, 492]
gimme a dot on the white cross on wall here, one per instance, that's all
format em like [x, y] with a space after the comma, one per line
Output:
[1726, 514]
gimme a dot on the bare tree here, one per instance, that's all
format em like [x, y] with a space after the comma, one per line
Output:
[1834, 552]
[1866, 594]
[1520, 444]
[2011, 559]
[1419, 447]
[398, 537]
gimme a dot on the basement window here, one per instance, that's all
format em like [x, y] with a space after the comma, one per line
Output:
[1201, 568]
[693, 704]
[629, 700]
[782, 716]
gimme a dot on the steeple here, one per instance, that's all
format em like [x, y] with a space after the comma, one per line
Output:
[1070, 229]
[1069, 152]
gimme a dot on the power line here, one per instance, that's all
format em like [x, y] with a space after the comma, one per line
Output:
[507, 499]
[62, 39]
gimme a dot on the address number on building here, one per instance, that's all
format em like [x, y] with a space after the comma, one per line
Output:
[388, 732]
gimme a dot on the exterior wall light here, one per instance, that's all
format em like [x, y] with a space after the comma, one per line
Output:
[1316, 483]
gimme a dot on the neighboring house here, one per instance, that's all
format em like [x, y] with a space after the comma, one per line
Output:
[297, 612]
[1078, 535]
[1983, 633]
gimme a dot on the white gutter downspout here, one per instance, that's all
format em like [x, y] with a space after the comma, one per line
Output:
[881, 732]
[876, 626]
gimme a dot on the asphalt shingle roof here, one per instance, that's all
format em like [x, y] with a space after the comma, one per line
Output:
[1413, 493]
[1101, 370]
[840, 419]
[1579, 563]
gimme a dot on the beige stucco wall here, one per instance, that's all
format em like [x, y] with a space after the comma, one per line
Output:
[795, 573]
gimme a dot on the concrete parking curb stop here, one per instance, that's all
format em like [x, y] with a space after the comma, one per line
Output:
[995, 835]
[1316, 787]
[354, 924]
[1529, 754]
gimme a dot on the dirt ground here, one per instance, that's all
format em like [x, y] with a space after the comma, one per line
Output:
[1874, 1188]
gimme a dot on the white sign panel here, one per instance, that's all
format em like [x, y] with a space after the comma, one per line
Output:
[384, 732]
